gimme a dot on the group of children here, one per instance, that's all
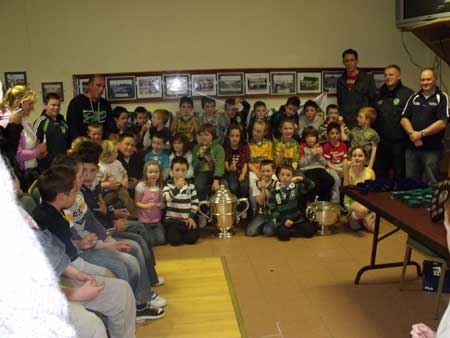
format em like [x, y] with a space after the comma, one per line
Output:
[112, 195]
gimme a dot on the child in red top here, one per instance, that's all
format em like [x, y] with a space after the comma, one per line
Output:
[335, 151]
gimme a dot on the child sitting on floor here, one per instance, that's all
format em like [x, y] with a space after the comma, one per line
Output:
[283, 203]
[181, 200]
[355, 172]
[262, 221]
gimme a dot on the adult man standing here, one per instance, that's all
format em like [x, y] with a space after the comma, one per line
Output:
[355, 88]
[424, 119]
[389, 103]
[88, 107]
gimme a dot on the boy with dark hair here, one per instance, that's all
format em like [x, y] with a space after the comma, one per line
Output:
[211, 115]
[158, 154]
[51, 128]
[283, 203]
[309, 117]
[354, 89]
[232, 113]
[185, 122]
[58, 188]
[332, 116]
[181, 205]
[130, 159]
[288, 111]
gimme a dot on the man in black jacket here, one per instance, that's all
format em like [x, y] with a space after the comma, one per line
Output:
[389, 103]
[89, 107]
[355, 88]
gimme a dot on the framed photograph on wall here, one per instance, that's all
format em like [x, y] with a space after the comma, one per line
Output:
[257, 83]
[121, 88]
[378, 77]
[329, 81]
[204, 84]
[52, 87]
[149, 86]
[282, 83]
[82, 84]
[15, 78]
[176, 85]
[309, 82]
[230, 84]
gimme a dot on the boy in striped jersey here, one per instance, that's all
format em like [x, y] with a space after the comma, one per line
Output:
[181, 201]
[283, 204]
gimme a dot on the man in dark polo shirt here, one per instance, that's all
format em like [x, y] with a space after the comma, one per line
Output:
[355, 89]
[89, 107]
[424, 119]
[389, 103]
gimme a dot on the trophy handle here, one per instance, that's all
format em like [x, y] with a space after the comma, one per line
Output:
[310, 212]
[247, 205]
[200, 209]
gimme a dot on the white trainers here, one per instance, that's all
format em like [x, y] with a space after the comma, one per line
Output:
[161, 281]
[157, 301]
[202, 221]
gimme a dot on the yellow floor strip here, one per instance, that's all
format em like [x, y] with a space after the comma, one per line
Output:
[199, 302]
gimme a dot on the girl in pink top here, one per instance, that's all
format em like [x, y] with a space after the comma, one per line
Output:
[149, 202]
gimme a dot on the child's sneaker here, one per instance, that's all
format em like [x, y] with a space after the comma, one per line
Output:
[157, 301]
[149, 314]
[202, 221]
[161, 281]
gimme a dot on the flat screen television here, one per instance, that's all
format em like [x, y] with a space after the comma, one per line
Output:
[410, 12]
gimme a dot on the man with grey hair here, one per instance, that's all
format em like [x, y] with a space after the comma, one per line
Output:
[424, 119]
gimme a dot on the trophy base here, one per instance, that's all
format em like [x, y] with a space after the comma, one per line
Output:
[225, 233]
[325, 230]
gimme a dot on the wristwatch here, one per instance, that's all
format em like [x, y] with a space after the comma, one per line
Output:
[423, 133]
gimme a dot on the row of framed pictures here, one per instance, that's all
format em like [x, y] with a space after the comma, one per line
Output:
[20, 78]
[136, 87]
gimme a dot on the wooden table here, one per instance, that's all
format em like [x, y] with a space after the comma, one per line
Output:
[414, 221]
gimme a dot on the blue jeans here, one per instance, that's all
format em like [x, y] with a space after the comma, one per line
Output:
[240, 189]
[149, 258]
[419, 163]
[156, 233]
[261, 222]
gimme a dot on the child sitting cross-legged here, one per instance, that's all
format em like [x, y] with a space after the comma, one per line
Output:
[181, 201]
[262, 221]
[283, 203]
[114, 178]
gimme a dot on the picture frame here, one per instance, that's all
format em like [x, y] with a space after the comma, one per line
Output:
[230, 84]
[52, 87]
[257, 83]
[203, 84]
[176, 85]
[282, 83]
[329, 81]
[121, 88]
[309, 82]
[15, 78]
[149, 86]
[82, 84]
[378, 77]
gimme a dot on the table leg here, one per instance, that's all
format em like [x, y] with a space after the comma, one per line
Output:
[373, 257]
